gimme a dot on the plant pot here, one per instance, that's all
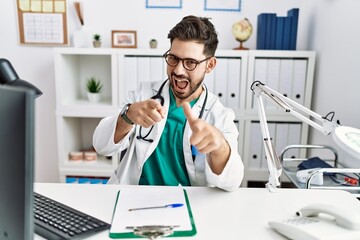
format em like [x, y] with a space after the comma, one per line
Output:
[153, 43]
[94, 97]
[97, 44]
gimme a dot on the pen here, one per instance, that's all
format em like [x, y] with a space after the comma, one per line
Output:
[174, 205]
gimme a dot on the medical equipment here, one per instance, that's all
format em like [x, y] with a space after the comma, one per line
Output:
[346, 137]
[160, 98]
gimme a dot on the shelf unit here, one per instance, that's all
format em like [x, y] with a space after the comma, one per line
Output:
[122, 69]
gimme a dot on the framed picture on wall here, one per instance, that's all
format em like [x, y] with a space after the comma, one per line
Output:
[123, 39]
[222, 5]
[164, 4]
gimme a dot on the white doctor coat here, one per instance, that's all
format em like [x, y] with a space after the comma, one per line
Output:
[200, 174]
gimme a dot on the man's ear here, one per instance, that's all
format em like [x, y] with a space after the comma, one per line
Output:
[211, 63]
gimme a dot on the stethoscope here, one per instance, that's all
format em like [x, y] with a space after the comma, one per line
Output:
[160, 98]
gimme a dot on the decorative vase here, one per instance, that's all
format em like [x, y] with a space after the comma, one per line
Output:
[82, 37]
[153, 43]
[94, 97]
[97, 44]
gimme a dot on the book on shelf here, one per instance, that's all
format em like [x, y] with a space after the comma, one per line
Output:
[273, 19]
[261, 31]
[294, 14]
[287, 33]
[266, 34]
[279, 35]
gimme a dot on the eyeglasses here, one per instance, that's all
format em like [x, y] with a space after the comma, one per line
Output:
[188, 63]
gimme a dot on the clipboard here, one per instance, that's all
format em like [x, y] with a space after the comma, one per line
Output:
[125, 222]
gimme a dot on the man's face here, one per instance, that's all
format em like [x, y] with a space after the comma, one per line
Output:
[186, 83]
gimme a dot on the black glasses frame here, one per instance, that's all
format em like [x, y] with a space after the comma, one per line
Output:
[182, 60]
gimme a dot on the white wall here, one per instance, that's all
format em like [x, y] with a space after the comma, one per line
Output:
[335, 35]
[326, 26]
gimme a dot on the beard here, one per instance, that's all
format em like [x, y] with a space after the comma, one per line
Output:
[193, 87]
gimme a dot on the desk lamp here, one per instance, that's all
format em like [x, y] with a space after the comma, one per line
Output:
[9, 76]
[347, 138]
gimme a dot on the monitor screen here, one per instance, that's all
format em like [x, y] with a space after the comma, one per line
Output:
[16, 162]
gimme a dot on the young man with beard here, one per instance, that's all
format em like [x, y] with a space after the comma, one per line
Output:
[175, 131]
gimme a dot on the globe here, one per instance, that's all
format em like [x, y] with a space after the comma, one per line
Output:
[242, 31]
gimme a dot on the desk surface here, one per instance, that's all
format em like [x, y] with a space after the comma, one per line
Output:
[243, 213]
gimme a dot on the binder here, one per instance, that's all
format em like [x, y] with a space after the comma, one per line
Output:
[273, 75]
[272, 129]
[261, 31]
[209, 81]
[270, 33]
[143, 69]
[294, 14]
[279, 33]
[287, 33]
[256, 146]
[221, 79]
[260, 74]
[156, 69]
[286, 76]
[281, 136]
[273, 25]
[299, 80]
[234, 77]
[294, 137]
[130, 75]
[124, 220]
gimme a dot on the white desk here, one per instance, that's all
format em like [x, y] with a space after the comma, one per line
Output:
[242, 214]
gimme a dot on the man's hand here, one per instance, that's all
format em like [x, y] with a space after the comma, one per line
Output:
[208, 139]
[146, 113]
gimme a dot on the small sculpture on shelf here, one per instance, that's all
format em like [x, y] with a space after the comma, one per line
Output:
[242, 31]
[94, 87]
[97, 40]
[153, 43]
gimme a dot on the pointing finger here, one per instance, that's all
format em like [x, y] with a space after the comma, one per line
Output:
[158, 107]
[155, 104]
[191, 117]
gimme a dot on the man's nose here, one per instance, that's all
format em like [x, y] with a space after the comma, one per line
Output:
[179, 69]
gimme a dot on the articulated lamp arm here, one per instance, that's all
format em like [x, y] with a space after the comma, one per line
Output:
[322, 124]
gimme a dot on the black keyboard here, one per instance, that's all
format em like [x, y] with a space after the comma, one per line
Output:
[54, 220]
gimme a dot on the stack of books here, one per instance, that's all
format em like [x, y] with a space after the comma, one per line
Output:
[277, 33]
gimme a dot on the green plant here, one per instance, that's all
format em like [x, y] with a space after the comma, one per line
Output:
[97, 37]
[93, 85]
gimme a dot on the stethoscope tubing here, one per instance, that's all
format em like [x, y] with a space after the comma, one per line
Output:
[158, 96]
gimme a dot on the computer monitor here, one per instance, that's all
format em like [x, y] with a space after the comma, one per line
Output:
[16, 162]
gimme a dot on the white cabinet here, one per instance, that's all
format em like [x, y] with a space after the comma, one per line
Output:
[289, 72]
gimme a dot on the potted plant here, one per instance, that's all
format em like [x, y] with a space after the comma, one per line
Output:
[94, 87]
[97, 40]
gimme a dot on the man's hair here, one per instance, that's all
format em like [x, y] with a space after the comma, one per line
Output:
[199, 29]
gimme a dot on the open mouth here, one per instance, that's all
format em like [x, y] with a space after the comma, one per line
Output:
[181, 84]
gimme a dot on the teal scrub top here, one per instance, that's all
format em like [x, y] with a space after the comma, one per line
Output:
[166, 165]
